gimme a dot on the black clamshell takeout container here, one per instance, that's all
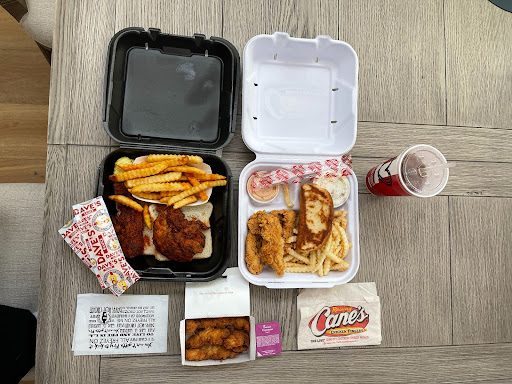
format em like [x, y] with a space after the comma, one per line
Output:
[174, 94]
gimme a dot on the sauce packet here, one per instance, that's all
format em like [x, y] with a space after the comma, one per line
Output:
[330, 168]
[72, 235]
[92, 237]
[346, 315]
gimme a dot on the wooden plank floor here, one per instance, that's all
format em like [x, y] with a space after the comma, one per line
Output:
[466, 364]
[441, 265]
[24, 85]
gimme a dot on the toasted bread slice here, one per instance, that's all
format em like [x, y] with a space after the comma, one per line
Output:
[315, 217]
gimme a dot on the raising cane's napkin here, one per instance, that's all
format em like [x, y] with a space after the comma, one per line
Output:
[227, 296]
[346, 315]
[107, 325]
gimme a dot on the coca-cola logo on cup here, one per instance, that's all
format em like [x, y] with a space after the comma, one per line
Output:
[340, 320]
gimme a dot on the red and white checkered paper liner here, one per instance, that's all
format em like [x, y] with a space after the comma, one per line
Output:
[335, 167]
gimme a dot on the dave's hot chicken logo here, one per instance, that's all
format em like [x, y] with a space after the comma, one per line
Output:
[341, 320]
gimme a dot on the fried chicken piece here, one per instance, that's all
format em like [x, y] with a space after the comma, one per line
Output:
[272, 244]
[252, 257]
[239, 323]
[177, 238]
[209, 352]
[253, 244]
[237, 341]
[129, 227]
[253, 224]
[212, 336]
[191, 326]
[265, 241]
[287, 219]
[120, 189]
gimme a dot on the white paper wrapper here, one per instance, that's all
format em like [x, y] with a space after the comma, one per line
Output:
[227, 296]
[346, 315]
[131, 324]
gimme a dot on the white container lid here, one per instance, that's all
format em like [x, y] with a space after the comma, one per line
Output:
[299, 95]
[299, 105]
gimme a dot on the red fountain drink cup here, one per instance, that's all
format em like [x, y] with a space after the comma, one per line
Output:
[420, 171]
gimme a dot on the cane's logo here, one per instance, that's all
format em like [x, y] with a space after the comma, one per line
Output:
[340, 320]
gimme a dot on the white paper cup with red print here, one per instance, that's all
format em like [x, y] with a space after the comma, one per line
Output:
[420, 170]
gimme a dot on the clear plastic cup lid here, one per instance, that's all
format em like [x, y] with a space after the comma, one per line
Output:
[424, 170]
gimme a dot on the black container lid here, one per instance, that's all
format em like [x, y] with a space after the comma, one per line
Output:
[168, 90]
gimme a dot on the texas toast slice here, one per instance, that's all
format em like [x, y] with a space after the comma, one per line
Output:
[315, 217]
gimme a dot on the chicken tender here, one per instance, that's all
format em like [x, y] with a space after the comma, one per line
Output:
[240, 323]
[265, 242]
[253, 244]
[237, 341]
[287, 219]
[212, 336]
[272, 244]
[129, 227]
[177, 238]
[120, 189]
[191, 326]
[252, 257]
[209, 352]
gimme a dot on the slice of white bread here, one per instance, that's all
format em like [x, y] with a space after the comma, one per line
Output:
[199, 212]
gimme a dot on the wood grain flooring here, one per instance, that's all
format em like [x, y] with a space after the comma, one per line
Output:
[481, 231]
[400, 45]
[464, 364]
[24, 84]
[478, 57]
[441, 265]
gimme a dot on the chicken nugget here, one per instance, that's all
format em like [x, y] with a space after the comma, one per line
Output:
[211, 336]
[240, 323]
[191, 326]
[209, 352]
[237, 341]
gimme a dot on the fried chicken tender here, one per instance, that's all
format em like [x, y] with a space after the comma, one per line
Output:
[191, 326]
[240, 323]
[252, 257]
[237, 341]
[177, 238]
[209, 352]
[287, 219]
[272, 244]
[129, 227]
[265, 242]
[212, 336]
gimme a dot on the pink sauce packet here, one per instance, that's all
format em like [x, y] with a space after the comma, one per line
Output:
[104, 256]
[72, 235]
[268, 339]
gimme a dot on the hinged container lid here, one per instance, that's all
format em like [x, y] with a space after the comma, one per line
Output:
[299, 95]
[168, 90]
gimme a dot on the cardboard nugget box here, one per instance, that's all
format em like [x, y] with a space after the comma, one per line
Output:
[227, 296]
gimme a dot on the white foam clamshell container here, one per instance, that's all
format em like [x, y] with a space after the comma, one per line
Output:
[299, 106]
